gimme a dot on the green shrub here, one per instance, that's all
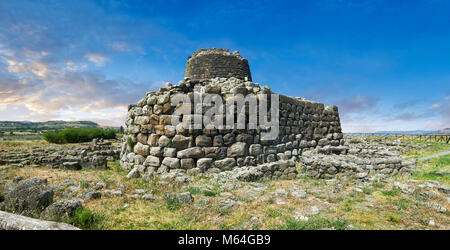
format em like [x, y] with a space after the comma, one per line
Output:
[86, 219]
[75, 135]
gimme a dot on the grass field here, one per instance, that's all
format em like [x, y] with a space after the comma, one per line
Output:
[375, 206]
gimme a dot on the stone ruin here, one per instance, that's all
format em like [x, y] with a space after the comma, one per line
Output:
[93, 155]
[152, 145]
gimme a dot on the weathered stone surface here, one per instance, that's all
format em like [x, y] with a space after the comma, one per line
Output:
[93, 195]
[204, 163]
[73, 165]
[237, 149]
[153, 140]
[163, 141]
[156, 151]
[61, 209]
[255, 149]
[187, 163]
[30, 197]
[170, 152]
[152, 161]
[180, 142]
[203, 141]
[218, 141]
[171, 162]
[9, 221]
[185, 197]
[195, 152]
[141, 149]
[141, 120]
[134, 173]
[225, 164]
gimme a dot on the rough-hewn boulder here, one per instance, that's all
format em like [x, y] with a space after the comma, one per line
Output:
[61, 209]
[30, 197]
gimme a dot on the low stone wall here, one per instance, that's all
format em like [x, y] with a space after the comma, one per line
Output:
[94, 155]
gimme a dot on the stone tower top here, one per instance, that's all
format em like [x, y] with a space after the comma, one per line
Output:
[212, 63]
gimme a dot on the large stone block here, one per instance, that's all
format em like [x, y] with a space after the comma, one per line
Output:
[255, 149]
[203, 141]
[187, 163]
[152, 161]
[195, 152]
[141, 149]
[237, 149]
[171, 162]
[180, 142]
[204, 163]
[225, 164]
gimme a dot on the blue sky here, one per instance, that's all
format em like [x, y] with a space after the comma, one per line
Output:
[383, 63]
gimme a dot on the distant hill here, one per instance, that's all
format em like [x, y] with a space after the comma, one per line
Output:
[445, 131]
[407, 132]
[49, 125]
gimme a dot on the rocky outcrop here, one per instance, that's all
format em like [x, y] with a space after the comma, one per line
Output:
[30, 197]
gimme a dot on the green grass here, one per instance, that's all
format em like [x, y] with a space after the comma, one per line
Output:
[76, 135]
[402, 203]
[367, 190]
[130, 142]
[435, 169]
[86, 219]
[314, 223]
[392, 192]
[172, 203]
[274, 212]
[435, 147]
[393, 218]
[379, 185]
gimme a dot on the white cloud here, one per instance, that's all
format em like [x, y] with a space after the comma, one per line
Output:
[120, 46]
[96, 58]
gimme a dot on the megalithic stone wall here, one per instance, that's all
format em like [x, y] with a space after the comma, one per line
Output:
[151, 143]
[212, 63]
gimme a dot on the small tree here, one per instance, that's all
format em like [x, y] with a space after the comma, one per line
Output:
[121, 129]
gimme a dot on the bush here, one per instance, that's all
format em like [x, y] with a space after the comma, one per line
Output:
[75, 135]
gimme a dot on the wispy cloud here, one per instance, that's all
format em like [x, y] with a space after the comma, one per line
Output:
[96, 58]
[357, 104]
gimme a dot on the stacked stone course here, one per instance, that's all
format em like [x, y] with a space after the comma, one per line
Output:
[153, 145]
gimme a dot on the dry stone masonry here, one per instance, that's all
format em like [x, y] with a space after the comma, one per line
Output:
[152, 145]
[212, 63]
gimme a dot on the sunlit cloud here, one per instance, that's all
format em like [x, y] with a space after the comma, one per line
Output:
[98, 59]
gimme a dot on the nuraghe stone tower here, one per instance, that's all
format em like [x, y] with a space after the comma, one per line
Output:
[153, 145]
